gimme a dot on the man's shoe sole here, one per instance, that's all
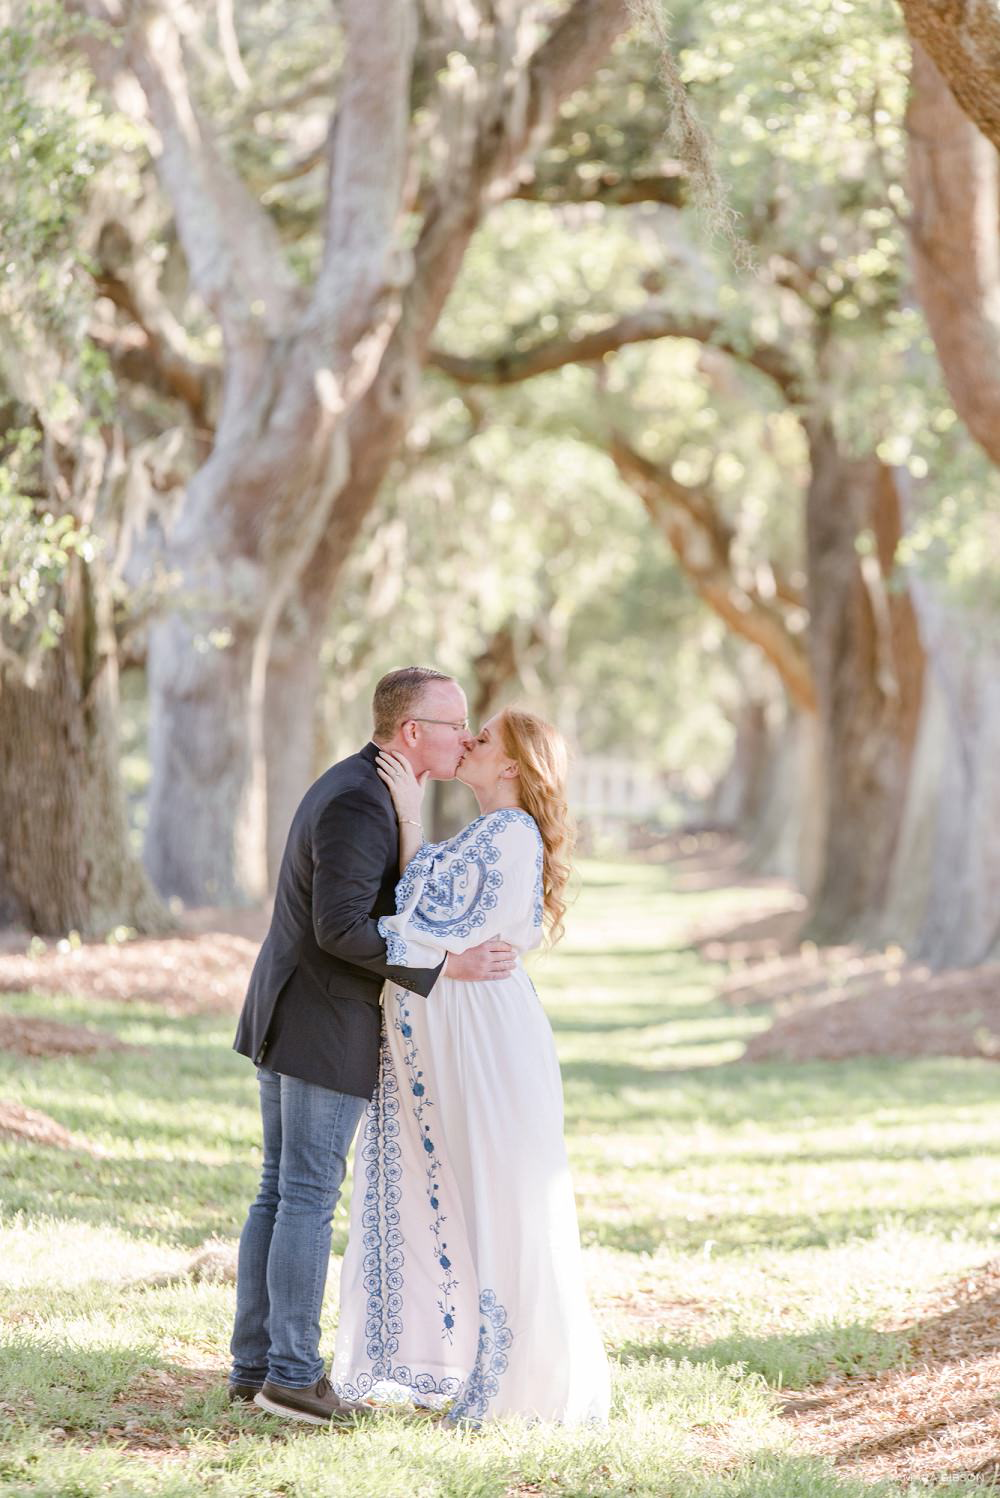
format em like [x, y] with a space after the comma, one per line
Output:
[274, 1408]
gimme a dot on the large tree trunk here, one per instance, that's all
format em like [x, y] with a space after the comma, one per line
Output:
[292, 746]
[954, 183]
[963, 38]
[787, 835]
[279, 453]
[770, 793]
[64, 842]
[318, 385]
[868, 666]
[944, 904]
[199, 725]
[738, 795]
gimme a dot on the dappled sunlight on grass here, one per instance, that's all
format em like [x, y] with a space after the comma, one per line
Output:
[747, 1228]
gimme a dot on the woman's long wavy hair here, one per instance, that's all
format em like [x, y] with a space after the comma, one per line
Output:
[542, 762]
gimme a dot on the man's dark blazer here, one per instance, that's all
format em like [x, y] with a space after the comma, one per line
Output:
[312, 1007]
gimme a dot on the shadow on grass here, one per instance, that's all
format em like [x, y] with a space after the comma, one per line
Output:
[987, 1150]
[740, 1231]
[790, 1095]
[632, 1017]
[792, 1360]
[188, 1200]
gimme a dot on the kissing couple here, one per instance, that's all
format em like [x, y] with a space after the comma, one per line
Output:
[462, 1286]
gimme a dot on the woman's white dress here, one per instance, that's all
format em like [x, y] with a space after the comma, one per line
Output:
[462, 1284]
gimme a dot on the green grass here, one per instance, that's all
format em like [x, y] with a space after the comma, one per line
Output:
[747, 1229]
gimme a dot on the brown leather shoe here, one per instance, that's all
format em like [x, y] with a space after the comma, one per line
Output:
[316, 1404]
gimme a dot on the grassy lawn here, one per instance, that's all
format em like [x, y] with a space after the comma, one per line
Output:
[747, 1229]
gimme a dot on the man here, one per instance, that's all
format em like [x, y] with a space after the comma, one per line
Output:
[311, 1022]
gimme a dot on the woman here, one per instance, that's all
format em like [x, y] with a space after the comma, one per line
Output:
[462, 1285]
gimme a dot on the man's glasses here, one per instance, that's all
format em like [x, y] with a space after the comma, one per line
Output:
[462, 727]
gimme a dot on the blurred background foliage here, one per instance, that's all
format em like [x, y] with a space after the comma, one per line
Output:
[506, 543]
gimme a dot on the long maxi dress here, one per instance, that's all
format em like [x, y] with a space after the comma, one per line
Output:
[462, 1286]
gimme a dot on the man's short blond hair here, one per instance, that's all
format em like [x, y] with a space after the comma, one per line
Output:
[397, 694]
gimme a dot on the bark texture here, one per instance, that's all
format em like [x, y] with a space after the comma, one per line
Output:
[64, 842]
[955, 246]
[292, 751]
[868, 664]
[944, 900]
[963, 38]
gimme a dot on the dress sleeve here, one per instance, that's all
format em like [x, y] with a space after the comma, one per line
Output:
[485, 882]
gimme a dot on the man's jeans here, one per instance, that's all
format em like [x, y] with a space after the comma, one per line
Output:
[285, 1244]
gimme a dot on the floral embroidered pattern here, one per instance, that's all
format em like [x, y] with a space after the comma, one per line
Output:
[483, 1383]
[455, 898]
[395, 946]
[421, 1103]
[383, 1243]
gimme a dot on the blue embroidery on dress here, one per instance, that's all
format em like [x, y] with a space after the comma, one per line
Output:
[483, 1383]
[395, 946]
[468, 882]
[455, 901]
[384, 1260]
[448, 1284]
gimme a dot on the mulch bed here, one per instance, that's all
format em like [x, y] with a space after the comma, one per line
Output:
[936, 1419]
[903, 1012]
[24, 1036]
[835, 1003]
[203, 968]
[32, 1127]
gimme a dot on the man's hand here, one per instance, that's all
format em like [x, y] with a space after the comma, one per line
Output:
[489, 961]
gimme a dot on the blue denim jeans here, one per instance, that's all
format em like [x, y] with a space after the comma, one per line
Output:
[285, 1243]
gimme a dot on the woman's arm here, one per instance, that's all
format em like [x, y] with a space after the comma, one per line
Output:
[407, 797]
[411, 839]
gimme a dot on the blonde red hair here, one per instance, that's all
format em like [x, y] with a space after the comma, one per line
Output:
[542, 760]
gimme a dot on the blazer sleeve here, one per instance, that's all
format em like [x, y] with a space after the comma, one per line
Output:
[350, 849]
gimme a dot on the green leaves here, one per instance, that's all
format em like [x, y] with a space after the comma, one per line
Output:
[36, 549]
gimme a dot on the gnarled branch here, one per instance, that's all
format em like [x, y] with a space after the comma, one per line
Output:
[652, 322]
[154, 354]
[232, 248]
[368, 154]
[616, 189]
[702, 540]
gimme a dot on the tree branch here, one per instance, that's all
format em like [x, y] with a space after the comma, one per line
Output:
[233, 250]
[563, 63]
[962, 37]
[158, 357]
[652, 322]
[368, 155]
[610, 187]
[701, 539]
[230, 45]
[955, 198]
